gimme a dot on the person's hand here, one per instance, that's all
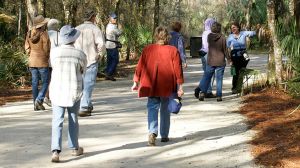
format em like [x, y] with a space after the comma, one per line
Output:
[229, 62]
[185, 65]
[134, 87]
[180, 92]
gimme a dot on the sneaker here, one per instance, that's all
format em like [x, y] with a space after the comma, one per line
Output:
[38, 105]
[201, 97]
[164, 139]
[77, 152]
[85, 113]
[219, 99]
[151, 140]
[55, 157]
[47, 101]
[196, 92]
[210, 95]
[110, 78]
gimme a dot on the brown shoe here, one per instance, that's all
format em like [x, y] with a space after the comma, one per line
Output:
[165, 139]
[38, 106]
[55, 157]
[84, 113]
[151, 140]
[77, 152]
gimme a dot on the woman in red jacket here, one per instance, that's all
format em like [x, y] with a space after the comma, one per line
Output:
[157, 75]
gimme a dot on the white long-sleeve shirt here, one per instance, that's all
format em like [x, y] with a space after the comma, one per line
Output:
[68, 66]
[112, 33]
[91, 41]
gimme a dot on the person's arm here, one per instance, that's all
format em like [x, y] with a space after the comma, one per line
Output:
[100, 42]
[225, 50]
[182, 51]
[178, 73]
[138, 71]
[83, 63]
[249, 33]
[117, 31]
[27, 45]
[46, 44]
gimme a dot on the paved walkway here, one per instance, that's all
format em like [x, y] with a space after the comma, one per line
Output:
[205, 134]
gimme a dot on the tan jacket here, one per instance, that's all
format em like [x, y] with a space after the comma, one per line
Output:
[39, 51]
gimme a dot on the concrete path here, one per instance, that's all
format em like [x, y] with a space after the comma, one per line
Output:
[205, 134]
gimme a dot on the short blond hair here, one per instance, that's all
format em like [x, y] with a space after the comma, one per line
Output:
[161, 34]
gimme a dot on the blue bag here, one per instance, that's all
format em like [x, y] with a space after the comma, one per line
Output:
[175, 104]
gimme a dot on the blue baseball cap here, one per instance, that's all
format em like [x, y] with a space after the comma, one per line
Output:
[113, 15]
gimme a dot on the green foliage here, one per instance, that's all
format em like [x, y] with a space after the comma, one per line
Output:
[290, 43]
[136, 37]
[13, 63]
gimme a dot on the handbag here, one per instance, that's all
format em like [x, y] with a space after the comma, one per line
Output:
[245, 55]
[174, 104]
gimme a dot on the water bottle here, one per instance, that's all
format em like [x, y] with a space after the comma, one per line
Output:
[232, 71]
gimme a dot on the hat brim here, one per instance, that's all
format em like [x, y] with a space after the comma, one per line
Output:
[71, 39]
[46, 20]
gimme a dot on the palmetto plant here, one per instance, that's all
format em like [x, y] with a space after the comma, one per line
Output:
[290, 44]
[13, 63]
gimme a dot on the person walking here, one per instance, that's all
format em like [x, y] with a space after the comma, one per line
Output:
[112, 35]
[53, 33]
[69, 65]
[158, 75]
[178, 41]
[37, 46]
[217, 51]
[203, 55]
[91, 42]
[236, 42]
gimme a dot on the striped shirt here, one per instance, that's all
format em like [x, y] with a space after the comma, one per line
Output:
[68, 66]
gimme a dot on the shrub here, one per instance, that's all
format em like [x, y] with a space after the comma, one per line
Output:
[13, 63]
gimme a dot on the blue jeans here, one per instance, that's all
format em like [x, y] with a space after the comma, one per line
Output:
[112, 61]
[36, 73]
[89, 81]
[204, 63]
[57, 126]
[153, 105]
[210, 70]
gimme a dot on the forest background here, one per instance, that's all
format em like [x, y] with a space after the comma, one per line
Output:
[276, 22]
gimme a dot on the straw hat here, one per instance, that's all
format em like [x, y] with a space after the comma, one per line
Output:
[88, 14]
[68, 34]
[39, 21]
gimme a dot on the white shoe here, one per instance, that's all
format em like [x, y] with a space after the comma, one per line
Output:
[77, 152]
[55, 157]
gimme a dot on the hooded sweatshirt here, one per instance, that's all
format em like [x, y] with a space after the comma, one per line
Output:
[217, 50]
[207, 29]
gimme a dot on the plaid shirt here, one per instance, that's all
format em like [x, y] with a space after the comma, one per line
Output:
[68, 66]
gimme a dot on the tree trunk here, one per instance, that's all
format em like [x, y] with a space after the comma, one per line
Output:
[32, 11]
[276, 46]
[19, 19]
[248, 10]
[156, 15]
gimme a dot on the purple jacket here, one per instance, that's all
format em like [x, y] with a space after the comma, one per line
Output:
[207, 29]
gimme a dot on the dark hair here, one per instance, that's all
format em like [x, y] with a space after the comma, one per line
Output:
[161, 33]
[176, 26]
[237, 25]
[216, 27]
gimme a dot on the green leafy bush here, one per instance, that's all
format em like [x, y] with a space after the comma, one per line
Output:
[13, 63]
